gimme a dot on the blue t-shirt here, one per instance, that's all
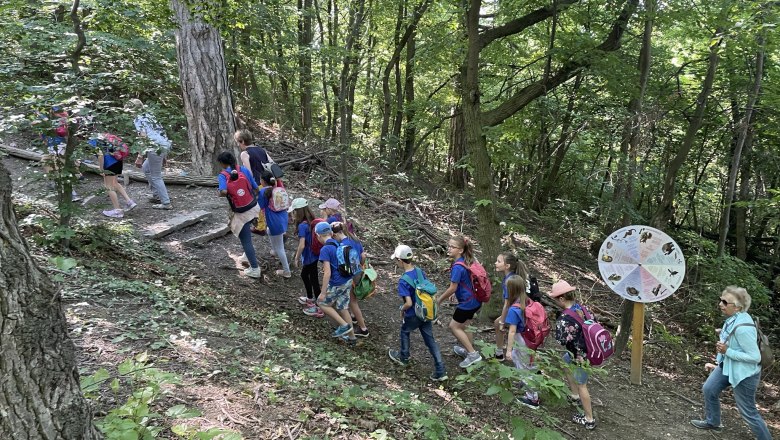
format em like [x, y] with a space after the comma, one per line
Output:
[247, 175]
[277, 221]
[460, 275]
[503, 285]
[304, 231]
[328, 253]
[515, 317]
[405, 289]
[334, 218]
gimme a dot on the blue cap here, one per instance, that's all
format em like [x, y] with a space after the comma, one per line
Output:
[323, 228]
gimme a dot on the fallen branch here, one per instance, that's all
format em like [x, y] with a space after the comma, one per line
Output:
[691, 401]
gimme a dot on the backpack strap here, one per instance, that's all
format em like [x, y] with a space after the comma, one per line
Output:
[576, 316]
[744, 324]
[468, 269]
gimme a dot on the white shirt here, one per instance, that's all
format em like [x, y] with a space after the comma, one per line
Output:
[146, 123]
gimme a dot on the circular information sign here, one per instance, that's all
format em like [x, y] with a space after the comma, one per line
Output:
[641, 263]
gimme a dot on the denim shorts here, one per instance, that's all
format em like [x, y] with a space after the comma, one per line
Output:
[337, 296]
[579, 373]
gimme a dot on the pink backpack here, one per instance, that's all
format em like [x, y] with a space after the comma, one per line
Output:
[479, 279]
[598, 341]
[537, 327]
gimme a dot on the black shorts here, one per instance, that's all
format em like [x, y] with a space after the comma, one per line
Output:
[462, 316]
[116, 168]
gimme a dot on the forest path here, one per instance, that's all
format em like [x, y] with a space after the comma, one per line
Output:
[658, 409]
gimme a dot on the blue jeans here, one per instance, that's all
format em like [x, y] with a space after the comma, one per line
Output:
[246, 242]
[412, 323]
[745, 397]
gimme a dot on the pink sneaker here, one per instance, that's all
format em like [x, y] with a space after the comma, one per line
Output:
[114, 213]
[314, 311]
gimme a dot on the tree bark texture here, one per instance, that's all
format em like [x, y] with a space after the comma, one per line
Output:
[40, 396]
[206, 93]
[305, 38]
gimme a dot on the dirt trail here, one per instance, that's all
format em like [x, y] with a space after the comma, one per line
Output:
[659, 409]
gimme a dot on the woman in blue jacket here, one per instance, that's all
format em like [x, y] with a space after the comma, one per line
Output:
[736, 364]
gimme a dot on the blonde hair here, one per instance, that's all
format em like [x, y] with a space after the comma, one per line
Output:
[741, 297]
[515, 288]
[244, 136]
[468, 250]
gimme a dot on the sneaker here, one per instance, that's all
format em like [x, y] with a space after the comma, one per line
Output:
[395, 355]
[580, 420]
[471, 359]
[499, 355]
[304, 300]
[533, 404]
[354, 321]
[460, 351]
[282, 273]
[253, 272]
[114, 213]
[576, 401]
[166, 206]
[154, 200]
[361, 333]
[314, 311]
[130, 205]
[438, 377]
[341, 330]
[74, 197]
[348, 341]
[701, 424]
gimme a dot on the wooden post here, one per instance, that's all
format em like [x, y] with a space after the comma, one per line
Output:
[637, 348]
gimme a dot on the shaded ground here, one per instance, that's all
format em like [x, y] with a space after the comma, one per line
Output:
[245, 367]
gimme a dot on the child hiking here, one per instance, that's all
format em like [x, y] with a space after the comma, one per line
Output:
[277, 222]
[240, 189]
[461, 251]
[516, 348]
[507, 264]
[569, 333]
[343, 236]
[409, 320]
[334, 293]
[112, 151]
[304, 256]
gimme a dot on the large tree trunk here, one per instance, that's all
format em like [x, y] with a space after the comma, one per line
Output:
[40, 396]
[743, 131]
[305, 38]
[204, 86]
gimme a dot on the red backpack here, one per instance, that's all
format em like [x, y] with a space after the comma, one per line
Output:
[537, 327]
[598, 341]
[479, 279]
[315, 244]
[239, 193]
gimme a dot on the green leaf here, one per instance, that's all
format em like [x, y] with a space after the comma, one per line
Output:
[494, 389]
[64, 264]
[182, 412]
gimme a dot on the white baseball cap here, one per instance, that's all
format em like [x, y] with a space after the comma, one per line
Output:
[300, 202]
[402, 252]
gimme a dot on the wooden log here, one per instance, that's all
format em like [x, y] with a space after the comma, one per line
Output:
[208, 236]
[174, 224]
[169, 179]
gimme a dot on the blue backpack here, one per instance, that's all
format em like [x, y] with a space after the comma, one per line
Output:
[348, 260]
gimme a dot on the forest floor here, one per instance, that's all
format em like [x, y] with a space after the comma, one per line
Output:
[251, 362]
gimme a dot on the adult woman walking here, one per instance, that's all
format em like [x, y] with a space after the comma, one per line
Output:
[736, 364]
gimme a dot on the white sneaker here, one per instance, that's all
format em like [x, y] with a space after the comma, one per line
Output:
[471, 359]
[303, 300]
[114, 213]
[130, 205]
[460, 351]
[162, 206]
[253, 272]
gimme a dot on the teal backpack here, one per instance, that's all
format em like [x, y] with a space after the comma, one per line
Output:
[425, 306]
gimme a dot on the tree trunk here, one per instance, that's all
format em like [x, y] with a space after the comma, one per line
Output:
[740, 212]
[40, 396]
[205, 90]
[743, 131]
[663, 213]
[410, 130]
[305, 38]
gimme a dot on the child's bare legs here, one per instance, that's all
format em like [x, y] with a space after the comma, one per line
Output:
[580, 389]
[110, 183]
[333, 314]
[355, 309]
[465, 338]
[500, 335]
[347, 319]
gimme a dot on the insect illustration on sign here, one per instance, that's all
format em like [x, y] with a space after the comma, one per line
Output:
[644, 236]
[629, 232]
[609, 245]
[668, 248]
[606, 258]
[632, 291]
[657, 290]
[672, 272]
[614, 277]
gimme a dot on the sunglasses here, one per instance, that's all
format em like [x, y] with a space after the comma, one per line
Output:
[726, 303]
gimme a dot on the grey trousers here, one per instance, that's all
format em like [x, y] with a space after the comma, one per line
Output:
[152, 168]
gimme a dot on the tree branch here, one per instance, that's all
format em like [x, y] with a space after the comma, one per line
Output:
[520, 24]
[526, 95]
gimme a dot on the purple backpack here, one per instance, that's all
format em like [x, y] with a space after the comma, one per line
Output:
[598, 341]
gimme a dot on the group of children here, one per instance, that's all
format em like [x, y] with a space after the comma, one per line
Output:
[321, 239]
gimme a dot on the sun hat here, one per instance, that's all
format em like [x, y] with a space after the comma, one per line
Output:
[331, 204]
[560, 288]
[323, 228]
[402, 252]
[300, 202]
